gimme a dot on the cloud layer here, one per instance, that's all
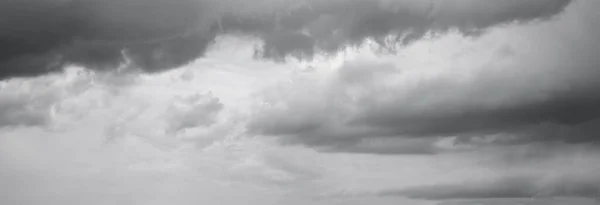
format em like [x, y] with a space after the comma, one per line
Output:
[535, 178]
[180, 137]
[41, 36]
[506, 188]
[480, 100]
[514, 84]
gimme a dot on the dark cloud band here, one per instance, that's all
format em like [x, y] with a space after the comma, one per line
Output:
[41, 36]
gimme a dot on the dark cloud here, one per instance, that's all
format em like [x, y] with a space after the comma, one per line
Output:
[573, 111]
[544, 90]
[331, 25]
[339, 119]
[384, 146]
[41, 36]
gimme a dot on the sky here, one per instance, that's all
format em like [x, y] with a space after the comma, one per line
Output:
[438, 102]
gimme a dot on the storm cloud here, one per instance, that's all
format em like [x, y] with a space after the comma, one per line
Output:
[41, 36]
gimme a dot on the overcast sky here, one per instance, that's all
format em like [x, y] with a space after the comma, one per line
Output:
[229, 102]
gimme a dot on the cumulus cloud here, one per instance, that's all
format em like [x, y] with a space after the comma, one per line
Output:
[527, 83]
[483, 114]
[40, 36]
[212, 161]
[31, 103]
[192, 111]
[104, 142]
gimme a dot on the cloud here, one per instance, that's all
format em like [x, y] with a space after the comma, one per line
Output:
[15, 112]
[529, 201]
[192, 111]
[222, 163]
[41, 36]
[535, 173]
[104, 138]
[31, 103]
[528, 83]
[517, 187]
[331, 25]
[72, 158]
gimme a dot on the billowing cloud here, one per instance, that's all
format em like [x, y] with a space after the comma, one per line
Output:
[104, 142]
[525, 83]
[107, 141]
[454, 115]
[17, 112]
[40, 36]
[192, 111]
[31, 103]
[331, 25]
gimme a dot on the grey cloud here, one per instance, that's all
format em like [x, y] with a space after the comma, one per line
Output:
[15, 113]
[561, 111]
[546, 93]
[341, 121]
[511, 187]
[27, 104]
[41, 36]
[384, 146]
[192, 111]
[331, 25]
[523, 201]
[540, 155]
